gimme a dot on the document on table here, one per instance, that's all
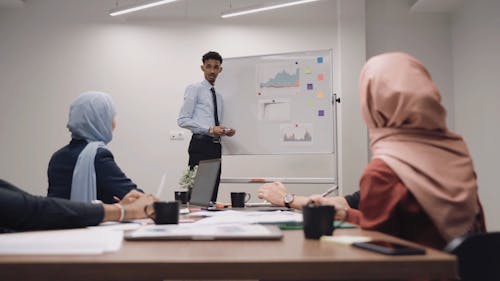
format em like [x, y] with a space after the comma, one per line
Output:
[249, 217]
[61, 242]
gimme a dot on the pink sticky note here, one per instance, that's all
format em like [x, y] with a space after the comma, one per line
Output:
[321, 77]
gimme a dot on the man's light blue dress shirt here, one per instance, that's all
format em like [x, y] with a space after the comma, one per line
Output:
[197, 112]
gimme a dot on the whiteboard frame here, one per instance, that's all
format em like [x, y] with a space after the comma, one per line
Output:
[333, 96]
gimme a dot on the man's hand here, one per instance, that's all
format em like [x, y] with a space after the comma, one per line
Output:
[230, 132]
[273, 193]
[223, 131]
[218, 130]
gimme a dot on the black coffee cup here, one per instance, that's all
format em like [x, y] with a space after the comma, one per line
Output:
[181, 196]
[317, 220]
[165, 212]
[238, 199]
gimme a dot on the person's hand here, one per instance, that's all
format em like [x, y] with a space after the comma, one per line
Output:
[273, 193]
[338, 202]
[230, 132]
[218, 130]
[134, 204]
[135, 209]
[129, 197]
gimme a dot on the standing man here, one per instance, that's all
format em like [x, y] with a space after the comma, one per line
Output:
[201, 113]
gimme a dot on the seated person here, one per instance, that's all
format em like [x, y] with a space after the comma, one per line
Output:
[22, 211]
[276, 192]
[420, 184]
[85, 170]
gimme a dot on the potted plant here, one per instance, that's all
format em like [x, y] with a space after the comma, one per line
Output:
[187, 180]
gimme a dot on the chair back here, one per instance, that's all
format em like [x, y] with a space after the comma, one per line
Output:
[478, 256]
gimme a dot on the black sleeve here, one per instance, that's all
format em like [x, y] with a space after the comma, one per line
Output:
[110, 179]
[23, 211]
[353, 200]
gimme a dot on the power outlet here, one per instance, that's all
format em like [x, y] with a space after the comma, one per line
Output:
[176, 135]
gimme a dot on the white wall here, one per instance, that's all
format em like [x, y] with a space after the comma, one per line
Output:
[391, 26]
[476, 64]
[52, 50]
[353, 147]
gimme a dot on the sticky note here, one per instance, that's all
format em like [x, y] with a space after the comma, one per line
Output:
[320, 95]
[307, 70]
[310, 102]
[309, 86]
[319, 59]
[321, 113]
[321, 77]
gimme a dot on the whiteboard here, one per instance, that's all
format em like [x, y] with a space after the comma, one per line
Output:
[278, 104]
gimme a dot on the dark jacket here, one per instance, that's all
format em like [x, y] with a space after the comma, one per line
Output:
[353, 200]
[110, 179]
[22, 211]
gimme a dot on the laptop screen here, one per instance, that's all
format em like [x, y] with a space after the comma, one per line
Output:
[204, 182]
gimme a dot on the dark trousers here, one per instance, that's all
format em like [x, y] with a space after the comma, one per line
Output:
[202, 147]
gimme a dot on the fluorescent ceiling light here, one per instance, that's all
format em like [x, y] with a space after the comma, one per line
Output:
[137, 7]
[263, 7]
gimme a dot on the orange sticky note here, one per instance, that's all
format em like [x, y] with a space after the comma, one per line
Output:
[257, 180]
[320, 95]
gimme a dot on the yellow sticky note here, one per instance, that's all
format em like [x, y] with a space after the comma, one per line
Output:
[320, 95]
[307, 70]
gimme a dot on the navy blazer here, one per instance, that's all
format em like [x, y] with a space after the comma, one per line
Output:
[23, 211]
[110, 179]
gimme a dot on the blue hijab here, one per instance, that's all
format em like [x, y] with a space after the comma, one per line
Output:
[90, 118]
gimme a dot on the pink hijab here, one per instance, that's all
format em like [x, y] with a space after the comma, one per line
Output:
[402, 109]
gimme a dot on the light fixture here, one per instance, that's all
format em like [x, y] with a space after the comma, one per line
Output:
[136, 7]
[263, 7]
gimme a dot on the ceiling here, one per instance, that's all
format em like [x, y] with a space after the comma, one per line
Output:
[435, 6]
[205, 9]
[324, 10]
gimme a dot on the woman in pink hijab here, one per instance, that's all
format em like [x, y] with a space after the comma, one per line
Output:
[420, 184]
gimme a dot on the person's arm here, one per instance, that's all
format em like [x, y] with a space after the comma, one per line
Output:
[110, 180]
[23, 211]
[276, 191]
[185, 119]
[380, 193]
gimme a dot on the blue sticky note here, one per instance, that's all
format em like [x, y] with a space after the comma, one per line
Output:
[321, 113]
[309, 86]
[320, 59]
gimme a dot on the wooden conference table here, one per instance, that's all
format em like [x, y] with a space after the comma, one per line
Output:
[293, 258]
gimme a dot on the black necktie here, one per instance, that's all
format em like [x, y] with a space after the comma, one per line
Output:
[214, 98]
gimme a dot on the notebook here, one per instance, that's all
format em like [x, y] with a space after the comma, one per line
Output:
[206, 232]
[204, 182]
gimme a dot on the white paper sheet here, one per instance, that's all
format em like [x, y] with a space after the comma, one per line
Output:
[61, 242]
[249, 217]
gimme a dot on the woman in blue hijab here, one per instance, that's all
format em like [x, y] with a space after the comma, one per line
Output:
[85, 170]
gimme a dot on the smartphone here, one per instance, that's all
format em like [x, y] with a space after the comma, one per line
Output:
[389, 248]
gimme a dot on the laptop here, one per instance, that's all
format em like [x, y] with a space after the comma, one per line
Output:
[204, 183]
[203, 232]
